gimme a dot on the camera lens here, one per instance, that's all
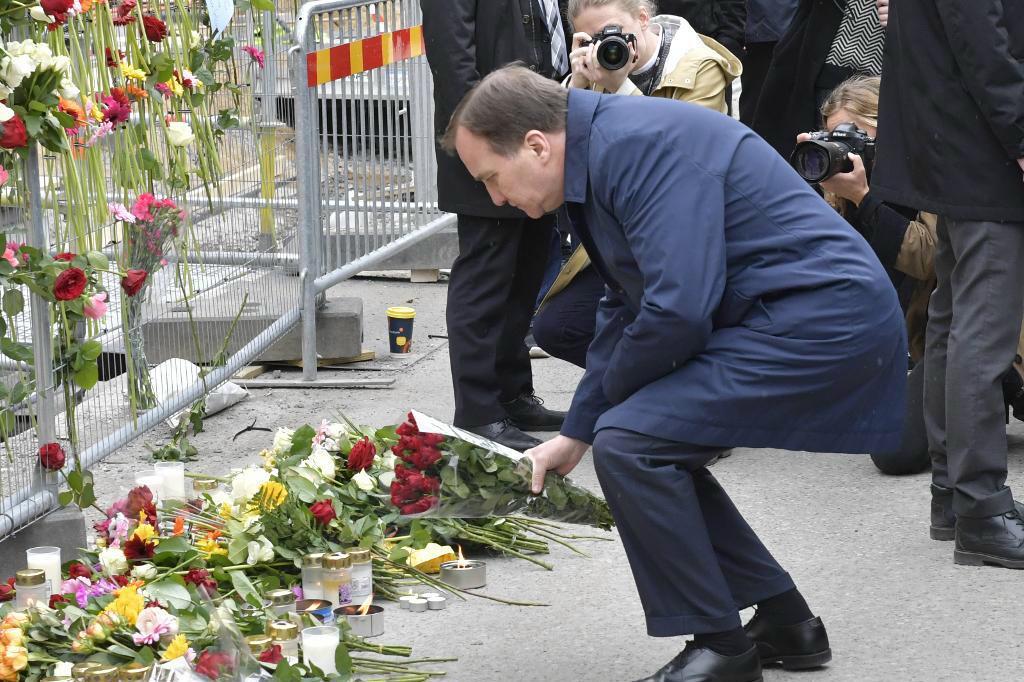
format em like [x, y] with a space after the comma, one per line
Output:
[812, 164]
[613, 53]
[818, 160]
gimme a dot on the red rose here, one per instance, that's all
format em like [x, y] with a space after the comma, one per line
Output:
[210, 663]
[121, 580]
[156, 30]
[200, 577]
[7, 590]
[51, 456]
[421, 505]
[424, 458]
[57, 599]
[58, 9]
[13, 134]
[133, 281]
[67, 256]
[431, 438]
[137, 500]
[77, 569]
[323, 511]
[272, 655]
[362, 454]
[136, 548]
[70, 284]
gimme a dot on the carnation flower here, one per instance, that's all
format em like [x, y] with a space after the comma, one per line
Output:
[154, 624]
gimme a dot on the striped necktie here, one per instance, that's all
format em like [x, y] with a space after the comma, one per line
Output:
[553, 20]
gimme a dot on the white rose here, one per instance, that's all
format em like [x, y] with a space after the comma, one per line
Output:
[336, 430]
[16, 68]
[179, 134]
[245, 485]
[68, 89]
[220, 497]
[364, 481]
[60, 63]
[387, 461]
[6, 113]
[320, 461]
[387, 478]
[144, 572]
[40, 52]
[282, 440]
[113, 561]
[39, 14]
[260, 550]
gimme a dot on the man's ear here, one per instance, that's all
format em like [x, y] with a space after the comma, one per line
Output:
[538, 143]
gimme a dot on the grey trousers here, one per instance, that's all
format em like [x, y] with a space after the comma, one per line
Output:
[974, 319]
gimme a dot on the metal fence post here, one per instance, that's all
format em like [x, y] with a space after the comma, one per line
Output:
[42, 335]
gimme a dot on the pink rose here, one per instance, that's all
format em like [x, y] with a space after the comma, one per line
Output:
[4, 176]
[154, 624]
[10, 257]
[96, 306]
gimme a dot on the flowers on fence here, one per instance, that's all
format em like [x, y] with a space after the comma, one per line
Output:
[32, 82]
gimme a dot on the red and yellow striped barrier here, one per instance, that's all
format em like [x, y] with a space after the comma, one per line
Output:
[340, 61]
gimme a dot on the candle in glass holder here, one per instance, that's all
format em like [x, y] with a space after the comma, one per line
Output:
[337, 578]
[312, 576]
[153, 482]
[47, 559]
[318, 646]
[172, 479]
[32, 588]
[285, 634]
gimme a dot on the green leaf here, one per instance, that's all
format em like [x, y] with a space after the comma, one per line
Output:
[302, 488]
[88, 496]
[14, 302]
[88, 376]
[98, 260]
[175, 545]
[171, 591]
[120, 650]
[263, 5]
[91, 349]
[342, 661]
[244, 586]
[19, 392]
[161, 68]
[65, 498]
[36, 105]
[302, 440]
[16, 351]
[238, 549]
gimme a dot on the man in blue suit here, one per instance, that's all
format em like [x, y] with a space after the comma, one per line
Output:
[740, 310]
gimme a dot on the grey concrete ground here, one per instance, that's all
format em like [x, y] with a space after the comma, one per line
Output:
[856, 543]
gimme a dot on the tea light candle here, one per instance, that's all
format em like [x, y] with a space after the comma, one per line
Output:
[47, 559]
[404, 601]
[417, 605]
[436, 603]
[172, 479]
[318, 646]
[369, 624]
[464, 575]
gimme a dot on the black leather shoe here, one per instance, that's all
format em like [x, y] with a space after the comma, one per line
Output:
[528, 413]
[696, 664]
[943, 517]
[506, 433]
[993, 540]
[1013, 392]
[794, 647]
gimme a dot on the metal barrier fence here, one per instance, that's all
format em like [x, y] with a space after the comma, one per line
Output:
[352, 185]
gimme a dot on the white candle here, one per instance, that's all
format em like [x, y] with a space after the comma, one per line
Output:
[318, 647]
[153, 482]
[172, 479]
[48, 560]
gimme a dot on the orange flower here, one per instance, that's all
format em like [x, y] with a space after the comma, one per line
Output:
[74, 110]
[86, 5]
[134, 92]
[179, 525]
[12, 659]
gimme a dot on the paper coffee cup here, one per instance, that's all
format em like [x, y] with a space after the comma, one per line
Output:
[400, 319]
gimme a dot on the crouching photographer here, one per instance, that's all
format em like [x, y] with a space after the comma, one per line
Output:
[839, 159]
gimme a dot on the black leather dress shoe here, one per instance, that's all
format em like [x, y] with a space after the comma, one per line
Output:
[943, 517]
[794, 647]
[506, 433]
[696, 664]
[992, 540]
[529, 414]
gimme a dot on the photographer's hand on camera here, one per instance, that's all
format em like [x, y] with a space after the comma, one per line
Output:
[852, 186]
[586, 71]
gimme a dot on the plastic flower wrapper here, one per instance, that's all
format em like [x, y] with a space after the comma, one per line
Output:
[446, 472]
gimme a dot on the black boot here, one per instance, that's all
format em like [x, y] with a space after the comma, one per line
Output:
[506, 433]
[1013, 392]
[698, 664]
[943, 517]
[528, 413]
[794, 647]
[992, 540]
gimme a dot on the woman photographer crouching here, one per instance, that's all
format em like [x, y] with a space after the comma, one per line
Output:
[904, 241]
[660, 56]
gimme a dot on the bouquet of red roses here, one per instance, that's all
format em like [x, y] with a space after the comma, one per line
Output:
[450, 473]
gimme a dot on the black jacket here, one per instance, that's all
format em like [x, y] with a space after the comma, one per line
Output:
[951, 113]
[787, 104]
[723, 20]
[767, 20]
[465, 41]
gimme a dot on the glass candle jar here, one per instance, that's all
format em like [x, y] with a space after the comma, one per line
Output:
[47, 559]
[282, 602]
[337, 578]
[32, 588]
[101, 673]
[362, 574]
[258, 644]
[312, 576]
[135, 672]
[285, 634]
[319, 645]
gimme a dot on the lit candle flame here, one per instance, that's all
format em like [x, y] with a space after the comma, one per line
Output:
[366, 605]
[462, 559]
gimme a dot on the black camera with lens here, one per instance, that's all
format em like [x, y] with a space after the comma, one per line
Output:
[826, 153]
[613, 52]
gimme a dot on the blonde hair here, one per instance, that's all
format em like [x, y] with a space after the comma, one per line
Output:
[858, 96]
[631, 6]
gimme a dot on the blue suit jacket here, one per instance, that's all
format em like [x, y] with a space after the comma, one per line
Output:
[741, 309]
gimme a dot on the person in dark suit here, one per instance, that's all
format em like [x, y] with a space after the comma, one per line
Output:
[495, 280]
[963, 161]
[740, 310]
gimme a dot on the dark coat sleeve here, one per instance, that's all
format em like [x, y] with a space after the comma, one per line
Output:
[980, 34]
[449, 29]
[589, 401]
[731, 18]
[883, 227]
[672, 212]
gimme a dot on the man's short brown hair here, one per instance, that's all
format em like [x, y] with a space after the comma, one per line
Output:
[506, 105]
